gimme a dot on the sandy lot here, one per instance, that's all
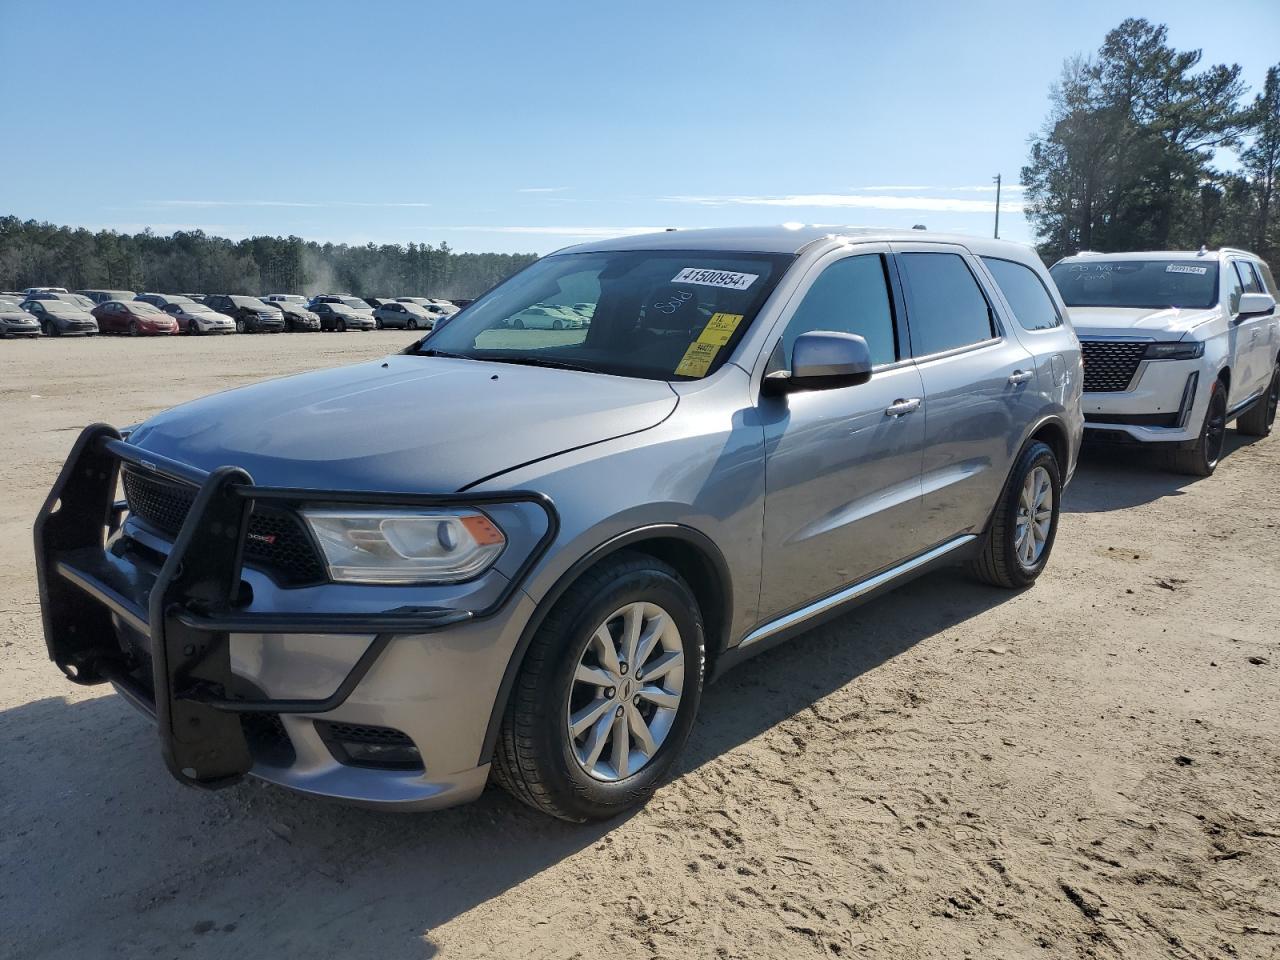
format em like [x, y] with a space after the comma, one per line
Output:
[1089, 768]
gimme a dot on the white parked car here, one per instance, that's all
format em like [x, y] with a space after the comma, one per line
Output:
[1176, 345]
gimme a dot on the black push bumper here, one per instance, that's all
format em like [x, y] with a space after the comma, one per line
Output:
[189, 604]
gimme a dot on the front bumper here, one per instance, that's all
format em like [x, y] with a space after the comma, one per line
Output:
[1165, 403]
[199, 641]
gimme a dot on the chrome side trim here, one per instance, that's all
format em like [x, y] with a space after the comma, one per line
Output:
[853, 592]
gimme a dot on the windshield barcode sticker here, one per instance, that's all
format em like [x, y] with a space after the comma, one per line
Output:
[1183, 268]
[716, 278]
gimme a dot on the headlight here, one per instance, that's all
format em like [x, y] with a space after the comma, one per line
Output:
[406, 546]
[1176, 350]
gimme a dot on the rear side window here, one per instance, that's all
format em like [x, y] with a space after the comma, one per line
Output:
[850, 296]
[1032, 306]
[946, 308]
[1248, 279]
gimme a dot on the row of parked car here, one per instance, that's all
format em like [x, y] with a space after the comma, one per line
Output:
[55, 311]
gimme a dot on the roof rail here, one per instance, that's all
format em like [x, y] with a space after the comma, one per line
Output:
[1234, 250]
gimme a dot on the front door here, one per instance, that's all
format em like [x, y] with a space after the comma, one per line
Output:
[842, 467]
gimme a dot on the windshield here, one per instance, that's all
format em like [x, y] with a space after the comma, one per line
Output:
[141, 307]
[60, 307]
[253, 303]
[355, 303]
[1153, 284]
[660, 315]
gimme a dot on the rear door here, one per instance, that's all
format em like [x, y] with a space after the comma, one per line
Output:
[979, 384]
[1255, 358]
[842, 466]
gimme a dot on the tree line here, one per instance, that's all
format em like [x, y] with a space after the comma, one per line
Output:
[1146, 149]
[43, 254]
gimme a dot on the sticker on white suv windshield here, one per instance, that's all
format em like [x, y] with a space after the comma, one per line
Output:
[1183, 268]
[716, 278]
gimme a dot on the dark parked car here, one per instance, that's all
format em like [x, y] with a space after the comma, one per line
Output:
[162, 300]
[57, 318]
[410, 316]
[340, 317]
[134, 317]
[250, 314]
[297, 318]
[16, 322]
[102, 296]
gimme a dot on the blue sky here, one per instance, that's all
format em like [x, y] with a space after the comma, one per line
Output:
[525, 127]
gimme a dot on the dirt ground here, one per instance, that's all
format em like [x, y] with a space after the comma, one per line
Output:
[1087, 769]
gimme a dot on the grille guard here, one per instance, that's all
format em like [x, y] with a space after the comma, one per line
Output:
[189, 607]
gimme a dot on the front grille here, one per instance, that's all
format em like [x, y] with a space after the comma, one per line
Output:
[1109, 365]
[277, 539]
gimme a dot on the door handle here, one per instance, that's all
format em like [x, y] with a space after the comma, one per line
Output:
[902, 407]
[1020, 376]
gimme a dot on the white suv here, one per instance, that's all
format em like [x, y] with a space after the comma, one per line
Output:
[1176, 345]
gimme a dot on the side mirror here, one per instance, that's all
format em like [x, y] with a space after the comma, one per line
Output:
[1255, 305]
[823, 360]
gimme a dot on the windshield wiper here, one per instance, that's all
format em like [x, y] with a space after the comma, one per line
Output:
[542, 362]
[432, 352]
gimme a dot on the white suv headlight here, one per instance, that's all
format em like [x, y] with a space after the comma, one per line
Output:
[406, 546]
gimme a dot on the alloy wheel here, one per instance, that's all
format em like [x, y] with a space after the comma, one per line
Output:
[626, 691]
[1035, 517]
[1215, 428]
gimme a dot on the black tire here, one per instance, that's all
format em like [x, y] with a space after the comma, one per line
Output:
[1262, 415]
[998, 562]
[534, 759]
[377, 323]
[133, 329]
[1201, 458]
[557, 325]
[517, 324]
[240, 326]
[411, 324]
[342, 326]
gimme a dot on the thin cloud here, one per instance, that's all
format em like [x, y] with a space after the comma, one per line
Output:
[542, 190]
[987, 188]
[285, 203]
[855, 201]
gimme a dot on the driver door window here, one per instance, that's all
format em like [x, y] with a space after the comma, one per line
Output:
[850, 296]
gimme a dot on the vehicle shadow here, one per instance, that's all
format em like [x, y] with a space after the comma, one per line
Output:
[1119, 476]
[108, 846]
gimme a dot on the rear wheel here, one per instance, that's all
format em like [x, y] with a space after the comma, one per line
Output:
[1259, 420]
[607, 693]
[1025, 522]
[1200, 458]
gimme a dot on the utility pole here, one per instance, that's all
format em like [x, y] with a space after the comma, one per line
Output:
[997, 234]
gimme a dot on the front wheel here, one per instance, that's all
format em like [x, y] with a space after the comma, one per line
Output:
[342, 326]
[1201, 458]
[607, 693]
[239, 325]
[1025, 522]
[1260, 418]
[133, 328]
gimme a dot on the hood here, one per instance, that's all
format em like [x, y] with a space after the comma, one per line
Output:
[1159, 322]
[404, 424]
[16, 315]
[73, 314]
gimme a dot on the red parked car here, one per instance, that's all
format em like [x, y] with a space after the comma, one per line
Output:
[134, 317]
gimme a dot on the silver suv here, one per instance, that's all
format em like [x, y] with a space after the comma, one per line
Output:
[311, 582]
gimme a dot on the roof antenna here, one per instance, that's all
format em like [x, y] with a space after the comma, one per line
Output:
[919, 226]
[1203, 250]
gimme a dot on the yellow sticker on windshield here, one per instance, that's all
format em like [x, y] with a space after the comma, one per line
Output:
[720, 328]
[697, 359]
